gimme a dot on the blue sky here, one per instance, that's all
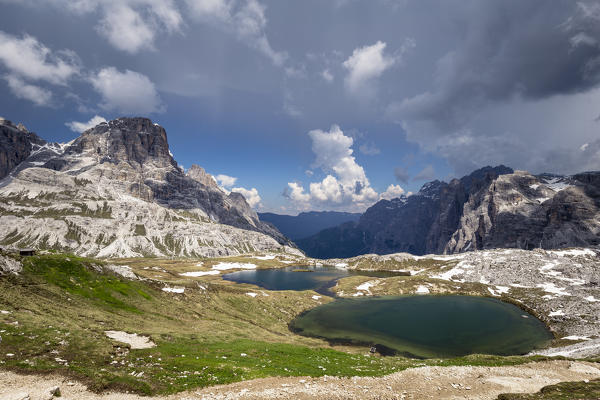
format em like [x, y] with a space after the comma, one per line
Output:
[317, 105]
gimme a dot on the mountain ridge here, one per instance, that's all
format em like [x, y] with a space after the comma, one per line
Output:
[549, 211]
[61, 196]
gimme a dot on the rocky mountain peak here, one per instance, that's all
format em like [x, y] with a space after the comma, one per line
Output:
[198, 173]
[482, 176]
[117, 191]
[431, 189]
[133, 140]
[22, 128]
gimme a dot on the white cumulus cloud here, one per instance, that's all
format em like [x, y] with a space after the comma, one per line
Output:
[251, 195]
[225, 181]
[126, 30]
[392, 192]
[29, 59]
[365, 64]
[346, 185]
[127, 92]
[128, 25]
[80, 127]
[295, 192]
[39, 96]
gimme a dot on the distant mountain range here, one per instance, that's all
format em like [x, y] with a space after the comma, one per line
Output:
[307, 223]
[490, 208]
[117, 191]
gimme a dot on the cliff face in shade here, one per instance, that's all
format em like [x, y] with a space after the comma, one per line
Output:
[16, 145]
[117, 191]
[490, 208]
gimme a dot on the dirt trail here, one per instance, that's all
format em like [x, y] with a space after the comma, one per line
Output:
[417, 383]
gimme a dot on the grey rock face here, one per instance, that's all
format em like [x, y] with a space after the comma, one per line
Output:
[16, 144]
[9, 266]
[198, 173]
[131, 140]
[524, 211]
[116, 190]
[419, 224]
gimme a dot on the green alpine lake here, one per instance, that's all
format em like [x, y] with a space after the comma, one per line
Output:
[426, 326]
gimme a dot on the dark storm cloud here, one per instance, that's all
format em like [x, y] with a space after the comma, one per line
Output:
[532, 49]
[517, 87]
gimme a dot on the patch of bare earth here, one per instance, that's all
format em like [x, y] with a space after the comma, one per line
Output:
[466, 382]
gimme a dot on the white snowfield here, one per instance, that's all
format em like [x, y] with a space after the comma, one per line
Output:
[365, 288]
[422, 289]
[173, 289]
[199, 273]
[224, 266]
[499, 290]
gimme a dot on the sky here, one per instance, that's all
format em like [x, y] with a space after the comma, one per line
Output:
[317, 104]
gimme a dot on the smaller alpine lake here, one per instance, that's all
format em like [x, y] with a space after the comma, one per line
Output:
[426, 326]
[319, 279]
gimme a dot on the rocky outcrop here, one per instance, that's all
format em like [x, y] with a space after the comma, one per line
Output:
[490, 208]
[198, 174]
[117, 191]
[132, 140]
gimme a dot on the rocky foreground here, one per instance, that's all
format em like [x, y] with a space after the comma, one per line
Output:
[417, 383]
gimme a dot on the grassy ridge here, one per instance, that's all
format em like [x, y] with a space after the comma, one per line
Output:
[214, 333]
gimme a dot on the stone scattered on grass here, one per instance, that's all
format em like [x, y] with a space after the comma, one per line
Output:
[123, 270]
[134, 340]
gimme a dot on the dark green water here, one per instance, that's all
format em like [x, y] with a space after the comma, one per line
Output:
[427, 326]
[318, 279]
